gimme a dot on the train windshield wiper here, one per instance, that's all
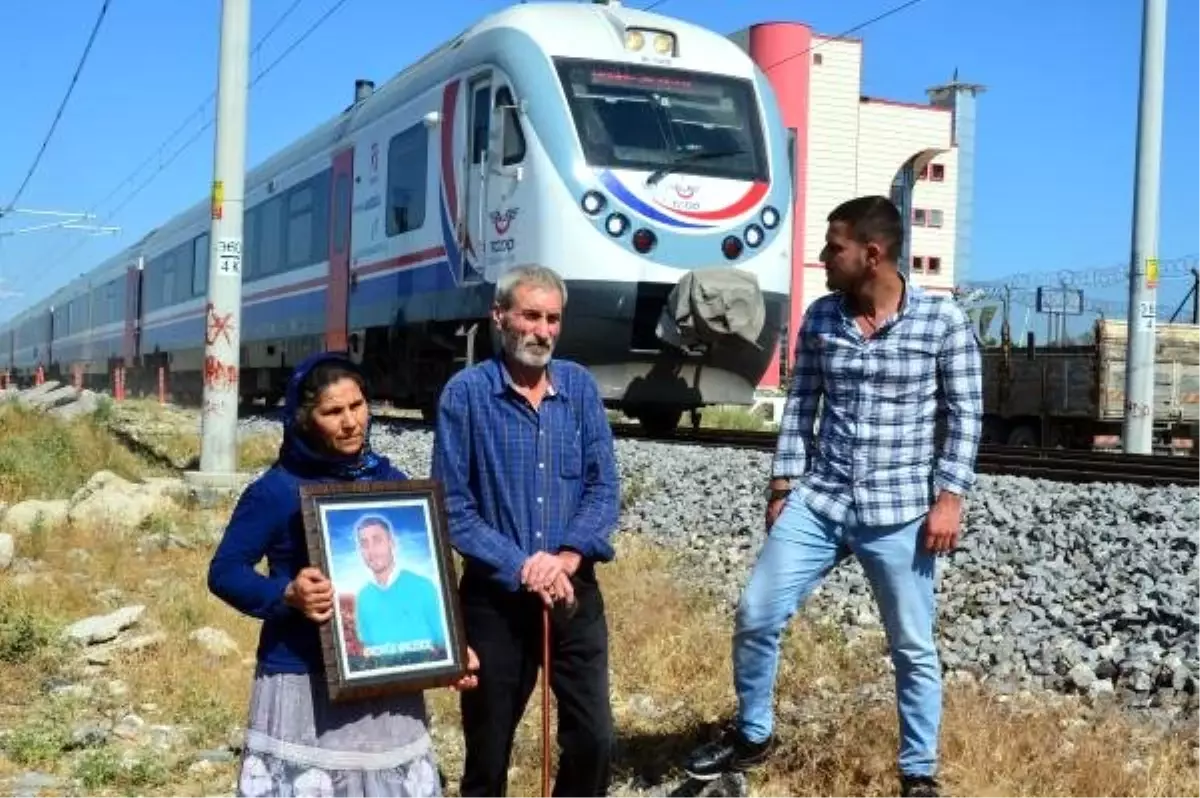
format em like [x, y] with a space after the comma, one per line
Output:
[684, 160]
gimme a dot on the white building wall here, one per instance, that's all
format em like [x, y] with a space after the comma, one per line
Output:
[928, 240]
[833, 119]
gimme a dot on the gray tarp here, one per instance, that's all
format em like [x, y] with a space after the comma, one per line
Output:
[710, 304]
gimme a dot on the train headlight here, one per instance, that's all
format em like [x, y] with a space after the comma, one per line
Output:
[770, 217]
[754, 235]
[664, 44]
[616, 224]
[592, 203]
[634, 40]
[731, 247]
[644, 240]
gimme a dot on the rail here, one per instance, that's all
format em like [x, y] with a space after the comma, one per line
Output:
[1062, 465]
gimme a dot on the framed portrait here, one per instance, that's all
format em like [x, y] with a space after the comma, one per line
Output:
[397, 624]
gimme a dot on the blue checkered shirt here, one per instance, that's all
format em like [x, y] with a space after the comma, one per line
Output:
[881, 401]
[518, 480]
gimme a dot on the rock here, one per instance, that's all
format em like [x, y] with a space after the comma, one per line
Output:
[85, 403]
[23, 517]
[7, 550]
[102, 628]
[129, 727]
[215, 642]
[80, 691]
[1081, 676]
[34, 783]
[141, 642]
[108, 500]
[89, 735]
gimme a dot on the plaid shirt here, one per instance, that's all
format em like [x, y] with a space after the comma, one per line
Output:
[518, 480]
[881, 400]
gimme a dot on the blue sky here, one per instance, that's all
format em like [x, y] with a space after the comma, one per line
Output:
[1056, 130]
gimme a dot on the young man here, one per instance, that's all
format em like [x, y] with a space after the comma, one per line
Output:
[888, 362]
[525, 452]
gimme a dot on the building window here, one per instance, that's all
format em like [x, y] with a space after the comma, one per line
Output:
[938, 173]
[919, 217]
[924, 175]
[918, 264]
[935, 218]
[935, 266]
[817, 59]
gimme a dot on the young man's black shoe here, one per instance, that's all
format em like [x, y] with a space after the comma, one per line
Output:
[731, 753]
[918, 786]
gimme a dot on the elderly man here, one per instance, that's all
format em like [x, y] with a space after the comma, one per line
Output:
[525, 452]
[881, 361]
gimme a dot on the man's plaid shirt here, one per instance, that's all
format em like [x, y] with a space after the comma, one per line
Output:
[881, 401]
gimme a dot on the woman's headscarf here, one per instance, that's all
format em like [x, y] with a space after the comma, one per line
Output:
[298, 457]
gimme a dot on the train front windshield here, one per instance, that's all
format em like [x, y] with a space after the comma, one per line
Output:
[664, 120]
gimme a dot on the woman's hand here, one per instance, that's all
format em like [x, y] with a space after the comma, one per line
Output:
[312, 594]
[470, 681]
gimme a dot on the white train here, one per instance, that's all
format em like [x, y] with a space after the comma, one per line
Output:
[635, 153]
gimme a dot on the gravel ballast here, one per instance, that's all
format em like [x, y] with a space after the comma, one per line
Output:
[1085, 589]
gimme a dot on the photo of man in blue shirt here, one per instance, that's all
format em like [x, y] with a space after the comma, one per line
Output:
[398, 611]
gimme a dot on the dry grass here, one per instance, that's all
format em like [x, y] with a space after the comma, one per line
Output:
[670, 657]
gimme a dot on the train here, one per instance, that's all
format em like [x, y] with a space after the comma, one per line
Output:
[641, 156]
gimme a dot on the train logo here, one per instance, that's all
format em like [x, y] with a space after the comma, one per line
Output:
[502, 221]
[685, 192]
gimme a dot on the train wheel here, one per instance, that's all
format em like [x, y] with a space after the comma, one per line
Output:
[1023, 435]
[659, 421]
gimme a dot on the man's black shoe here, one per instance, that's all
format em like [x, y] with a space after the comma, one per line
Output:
[918, 786]
[731, 753]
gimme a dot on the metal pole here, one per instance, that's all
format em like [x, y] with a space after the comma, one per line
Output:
[1195, 296]
[223, 319]
[1139, 355]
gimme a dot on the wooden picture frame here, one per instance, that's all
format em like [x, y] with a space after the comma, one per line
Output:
[397, 623]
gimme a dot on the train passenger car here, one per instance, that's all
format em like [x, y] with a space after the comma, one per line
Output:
[640, 156]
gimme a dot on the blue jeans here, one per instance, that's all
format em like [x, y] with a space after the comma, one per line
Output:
[801, 549]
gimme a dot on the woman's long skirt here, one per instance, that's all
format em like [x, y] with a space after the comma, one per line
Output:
[298, 743]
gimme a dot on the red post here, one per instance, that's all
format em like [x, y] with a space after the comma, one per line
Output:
[77, 376]
[120, 383]
[40, 376]
[162, 385]
[4, 381]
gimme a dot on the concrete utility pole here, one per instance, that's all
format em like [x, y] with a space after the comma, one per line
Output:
[223, 321]
[1143, 268]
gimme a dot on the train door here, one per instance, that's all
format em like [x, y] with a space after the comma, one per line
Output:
[337, 294]
[133, 295]
[473, 234]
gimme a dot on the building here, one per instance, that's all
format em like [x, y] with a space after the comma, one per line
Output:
[848, 145]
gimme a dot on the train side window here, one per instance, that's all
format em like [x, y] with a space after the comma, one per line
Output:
[270, 242]
[200, 256]
[300, 227]
[185, 270]
[514, 137]
[408, 169]
[480, 118]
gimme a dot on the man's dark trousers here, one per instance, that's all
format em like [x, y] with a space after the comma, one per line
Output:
[505, 629]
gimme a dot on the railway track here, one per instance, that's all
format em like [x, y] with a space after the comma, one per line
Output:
[1062, 465]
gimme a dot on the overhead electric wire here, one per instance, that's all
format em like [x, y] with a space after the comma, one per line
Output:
[62, 105]
[208, 124]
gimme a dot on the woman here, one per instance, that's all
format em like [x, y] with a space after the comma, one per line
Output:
[297, 741]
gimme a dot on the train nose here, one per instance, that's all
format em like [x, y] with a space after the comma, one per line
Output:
[710, 306]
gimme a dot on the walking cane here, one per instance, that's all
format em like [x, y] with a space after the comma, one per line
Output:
[545, 701]
[569, 610]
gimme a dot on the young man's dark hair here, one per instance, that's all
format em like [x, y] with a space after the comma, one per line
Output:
[874, 220]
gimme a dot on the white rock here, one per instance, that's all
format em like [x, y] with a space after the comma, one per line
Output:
[22, 517]
[216, 642]
[7, 549]
[102, 628]
[110, 500]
